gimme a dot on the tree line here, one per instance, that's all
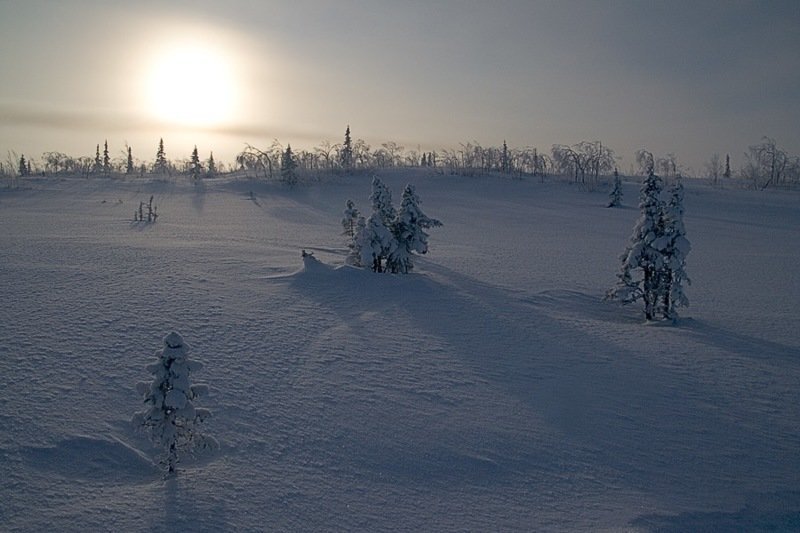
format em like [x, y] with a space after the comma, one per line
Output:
[766, 164]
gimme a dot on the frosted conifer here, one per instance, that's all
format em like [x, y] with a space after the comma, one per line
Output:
[161, 166]
[675, 247]
[170, 415]
[409, 232]
[212, 166]
[359, 236]
[346, 154]
[615, 196]
[129, 162]
[381, 199]
[288, 166]
[642, 252]
[375, 242]
[350, 218]
[195, 167]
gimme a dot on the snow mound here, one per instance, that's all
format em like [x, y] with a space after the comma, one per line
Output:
[312, 264]
[92, 458]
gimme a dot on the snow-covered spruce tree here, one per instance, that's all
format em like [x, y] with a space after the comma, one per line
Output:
[346, 153]
[615, 196]
[170, 415]
[674, 247]
[161, 166]
[24, 166]
[211, 166]
[375, 243]
[354, 246]
[350, 218]
[97, 166]
[129, 162]
[642, 253]
[106, 158]
[288, 166]
[381, 199]
[195, 167]
[408, 229]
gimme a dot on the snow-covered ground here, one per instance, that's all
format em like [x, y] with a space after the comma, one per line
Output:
[490, 390]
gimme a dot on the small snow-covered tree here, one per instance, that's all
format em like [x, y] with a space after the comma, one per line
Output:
[350, 218]
[375, 243]
[170, 416]
[674, 247]
[643, 253]
[408, 229]
[615, 196]
[354, 246]
[381, 199]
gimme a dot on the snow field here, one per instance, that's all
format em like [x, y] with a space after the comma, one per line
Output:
[491, 389]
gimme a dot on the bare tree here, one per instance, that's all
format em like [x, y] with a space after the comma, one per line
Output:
[584, 158]
[325, 153]
[765, 164]
[566, 160]
[269, 161]
[645, 162]
[667, 165]
[714, 169]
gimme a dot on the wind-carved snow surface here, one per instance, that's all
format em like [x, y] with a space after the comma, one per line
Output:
[491, 389]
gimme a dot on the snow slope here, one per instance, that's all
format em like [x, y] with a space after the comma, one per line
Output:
[492, 389]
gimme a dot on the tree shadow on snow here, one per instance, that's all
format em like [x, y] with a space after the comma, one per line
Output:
[189, 508]
[607, 405]
[769, 512]
[92, 459]
[739, 343]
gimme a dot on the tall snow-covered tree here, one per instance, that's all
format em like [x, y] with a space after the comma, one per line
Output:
[381, 199]
[408, 229]
[161, 165]
[346, 153]
[170, 416]
[350, 218]
[106, 158]
[674, 247]
[505, 161]
[98, 163]
[195, 167]
[129, 162]
[615, 196]
[288, 166]
[643, 253]
[211, 166]
[24, 166]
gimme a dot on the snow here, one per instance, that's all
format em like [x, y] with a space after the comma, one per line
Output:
[491, 389]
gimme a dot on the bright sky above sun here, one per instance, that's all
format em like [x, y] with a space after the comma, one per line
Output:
[688, 77]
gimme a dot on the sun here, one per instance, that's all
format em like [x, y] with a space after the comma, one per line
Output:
[191, 83]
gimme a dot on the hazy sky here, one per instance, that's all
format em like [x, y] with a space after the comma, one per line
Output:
[688, 77]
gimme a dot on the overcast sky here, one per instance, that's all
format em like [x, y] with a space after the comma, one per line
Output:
[688, 77]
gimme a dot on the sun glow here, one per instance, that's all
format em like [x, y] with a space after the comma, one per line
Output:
[192, 83]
